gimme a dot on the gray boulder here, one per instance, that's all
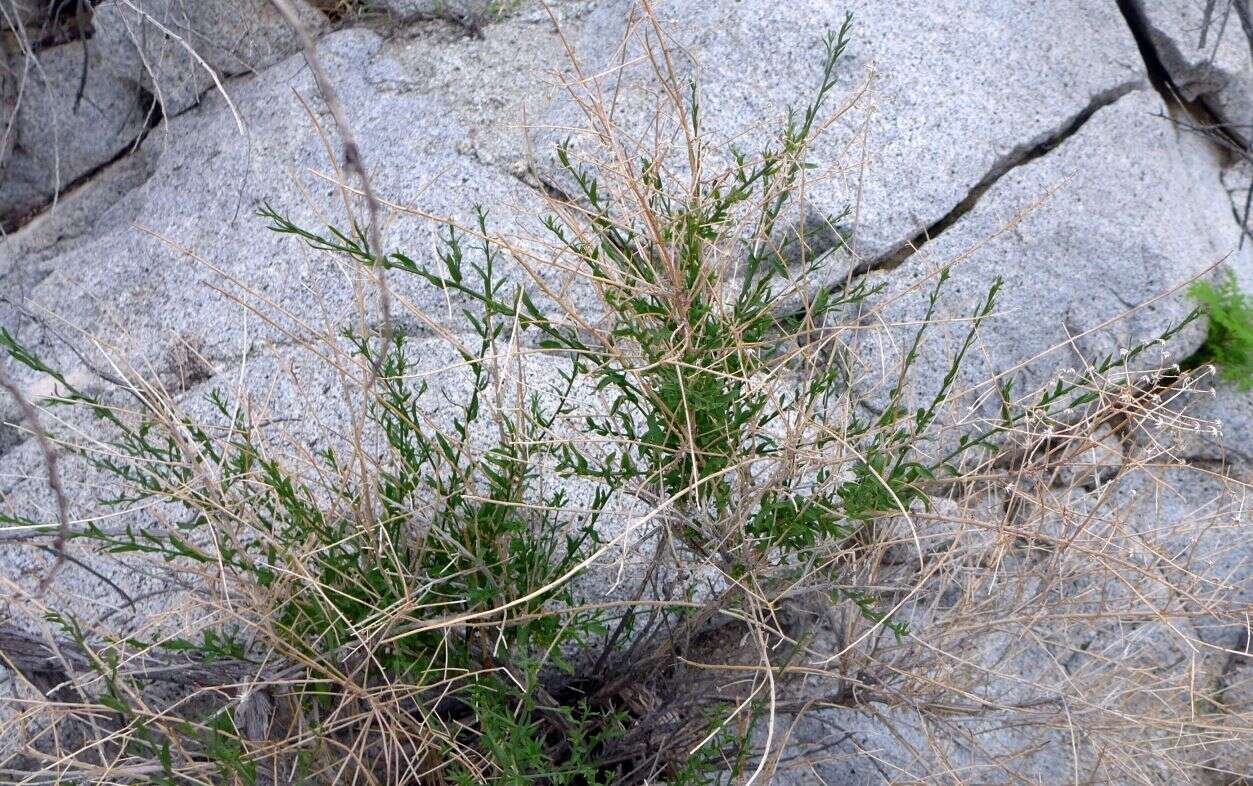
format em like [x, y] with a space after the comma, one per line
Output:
[143, 293]
[942, 110]
[1239, 183]
[1200, 518]
[1206, 48]
[149, 42]
[1233, 758]
[1078, 239]
[28, 255]
[464, 11]
[1052, 656]
[959, 136]
[71, 118]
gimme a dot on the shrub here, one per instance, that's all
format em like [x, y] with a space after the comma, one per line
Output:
[402, 608]
[1229, 343]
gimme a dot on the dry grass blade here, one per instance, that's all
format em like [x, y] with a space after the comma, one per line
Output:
[353, 160]
[31, 416]
[652, 524]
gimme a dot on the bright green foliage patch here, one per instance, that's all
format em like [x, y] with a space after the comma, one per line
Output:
[1229, 345]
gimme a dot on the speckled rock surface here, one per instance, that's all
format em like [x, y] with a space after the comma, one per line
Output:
[462, 11]
[1019, 141]
[1207, 50]
[1090, 204]
[940, 113]
[178, 49]
[61, 132]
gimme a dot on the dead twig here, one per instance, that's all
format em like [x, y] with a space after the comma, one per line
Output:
[353, 160]
[31, 416]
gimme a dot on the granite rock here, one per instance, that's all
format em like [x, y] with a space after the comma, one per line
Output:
[1207, 50]
[72, 116]
[151, 43]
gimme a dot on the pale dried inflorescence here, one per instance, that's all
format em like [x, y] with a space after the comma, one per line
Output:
[641, 515]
